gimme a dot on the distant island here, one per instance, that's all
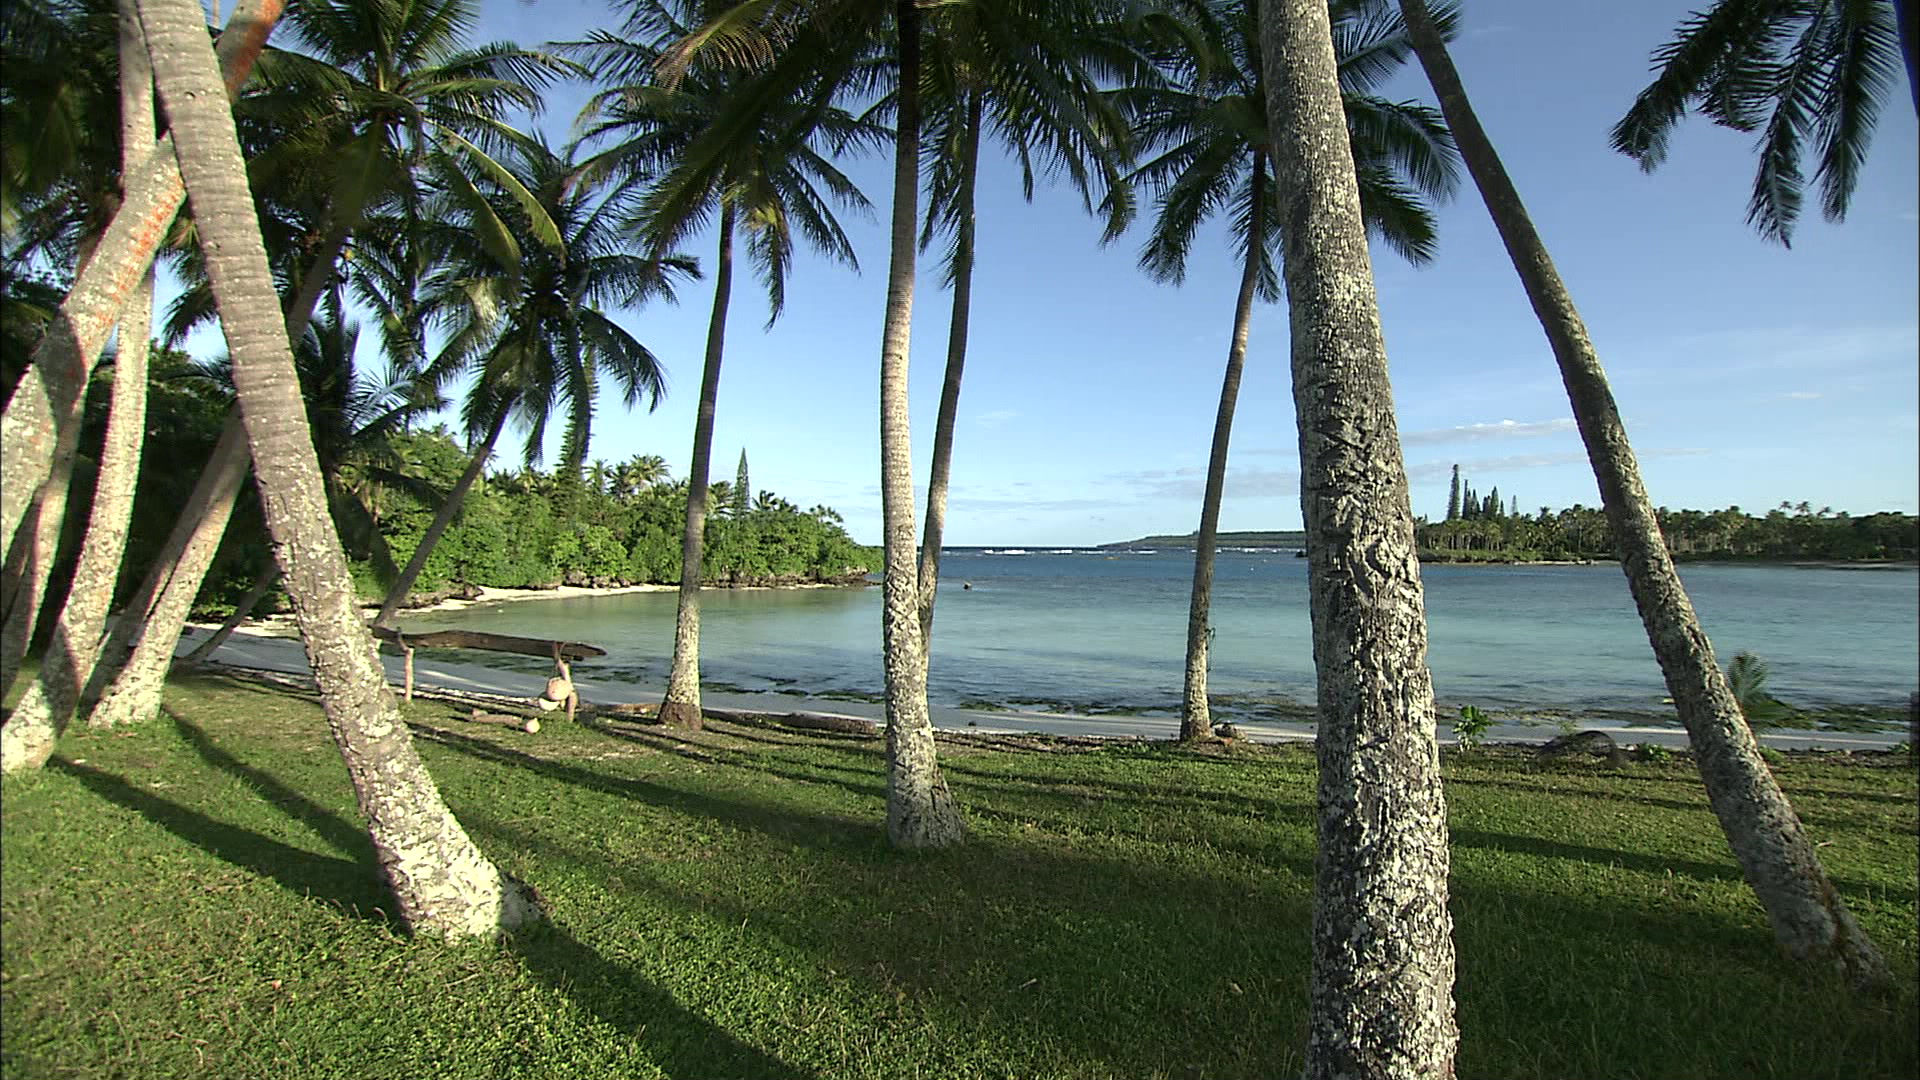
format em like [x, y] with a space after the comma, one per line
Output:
[1281, 539]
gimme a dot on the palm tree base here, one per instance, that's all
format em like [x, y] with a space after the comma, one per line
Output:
[681, 714]
[929, 823]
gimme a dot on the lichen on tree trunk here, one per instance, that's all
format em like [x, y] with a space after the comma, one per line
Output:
[1381, 992]
[442, 882]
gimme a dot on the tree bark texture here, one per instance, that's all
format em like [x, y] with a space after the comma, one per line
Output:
[921, 812]
[41, 422]
[31, 568]
[681, 705]
[1196, 719]
[47, 706]
[942, 466]
[441, 880]
[131, 670]
[1381, 992]
[1809, 918]
[442, 518]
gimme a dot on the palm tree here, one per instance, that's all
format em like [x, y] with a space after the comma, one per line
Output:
[769, 179]
[43, 712]
[1810, 920]
[539, 333]
[1790, 70]
[442, 882]
[1381, 992]
[40, 426]
[638, 473]
[1210, 131]
[1031, 76]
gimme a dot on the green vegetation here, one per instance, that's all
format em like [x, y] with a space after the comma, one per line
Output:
[1581, 532]
[197, 898]
[1264, 538]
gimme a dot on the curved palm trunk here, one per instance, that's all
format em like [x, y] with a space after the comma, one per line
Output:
[681, 706]
[397, 595]
[1381, 992]
[1810, 920]
[956, 369]
[128, 677]
[441, 880]
[1196, 720]
[920, 810]
[43, 712]
[41, 422]
[31, 568]
[262, 585]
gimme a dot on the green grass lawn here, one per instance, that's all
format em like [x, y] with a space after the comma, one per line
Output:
[198, 899]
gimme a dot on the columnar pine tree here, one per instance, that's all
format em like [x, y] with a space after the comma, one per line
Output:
[1453, 496]
[742, 487]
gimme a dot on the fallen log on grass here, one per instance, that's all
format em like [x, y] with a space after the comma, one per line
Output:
[528, 724]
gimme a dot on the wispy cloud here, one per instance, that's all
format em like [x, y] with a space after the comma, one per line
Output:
[996, 418]
[1500, 429]
[1801, 395]
[1909, 216]
[1433, 469]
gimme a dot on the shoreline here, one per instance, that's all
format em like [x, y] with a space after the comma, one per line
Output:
[251, 649]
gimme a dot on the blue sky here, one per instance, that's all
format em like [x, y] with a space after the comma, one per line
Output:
[1748, 374]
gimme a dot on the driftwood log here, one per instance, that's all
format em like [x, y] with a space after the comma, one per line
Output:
[528, 724]
[477, 639]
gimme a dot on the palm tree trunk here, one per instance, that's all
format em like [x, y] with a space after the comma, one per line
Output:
[41, 421]
[1381, 991]
[127, 679]
[1196, 720]
[262, 585]
[397, 595]
[43, 712]
[920, 810]
[943, 426]
[681, 707]
[1810, 920]
[30, 568]
[441, 880]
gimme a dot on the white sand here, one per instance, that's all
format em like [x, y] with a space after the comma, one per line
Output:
[264, 649]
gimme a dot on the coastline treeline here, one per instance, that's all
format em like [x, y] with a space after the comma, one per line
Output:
[1788, 531]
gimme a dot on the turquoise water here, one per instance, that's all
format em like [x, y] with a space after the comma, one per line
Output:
[1093, 631]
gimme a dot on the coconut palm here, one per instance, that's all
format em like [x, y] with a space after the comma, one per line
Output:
[1817, 70]
[43, 711]
[1810, 920]
[40, 427]
[638, 473]
[770, 180]
[538, 335]
[1208, 132]
[440, 879]
[1381, 991]
[1029, 76]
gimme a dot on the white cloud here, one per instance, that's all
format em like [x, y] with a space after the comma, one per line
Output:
[1801, 395]
[1502, 429]
[996, 417]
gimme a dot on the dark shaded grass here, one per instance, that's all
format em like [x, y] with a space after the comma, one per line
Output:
[198, 898]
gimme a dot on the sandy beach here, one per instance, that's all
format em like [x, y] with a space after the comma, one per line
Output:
[274, 648]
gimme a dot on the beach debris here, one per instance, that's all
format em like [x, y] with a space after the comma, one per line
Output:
[528, 724]
[1227, 731]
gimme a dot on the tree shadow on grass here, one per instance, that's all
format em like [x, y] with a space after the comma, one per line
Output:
[684, 1044]
[345, 837]
[352, 885]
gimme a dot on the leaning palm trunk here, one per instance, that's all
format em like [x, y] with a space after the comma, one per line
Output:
[1196, 719]
[442, 518]
[920, 810]
[439, 877]
[41, 422]
[128, 677]
[942, 466]
[1810, 920]
[1381, 992]
[242, 611]
[48, 704]
[31, 569]
[681, 706]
